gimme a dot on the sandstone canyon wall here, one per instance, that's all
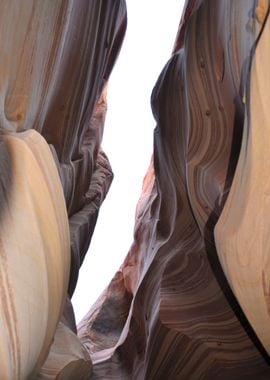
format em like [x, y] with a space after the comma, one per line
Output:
[56, 57]
[191, 300]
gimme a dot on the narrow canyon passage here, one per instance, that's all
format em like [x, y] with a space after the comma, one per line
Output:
[127, 140]
[188, 296]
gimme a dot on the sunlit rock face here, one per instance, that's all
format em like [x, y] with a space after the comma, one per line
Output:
[34, 252]
[191, 300]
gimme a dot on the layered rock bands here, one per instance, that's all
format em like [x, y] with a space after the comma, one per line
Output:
[56, 57]
[191, 300]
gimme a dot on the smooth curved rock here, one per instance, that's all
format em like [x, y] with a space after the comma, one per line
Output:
[176, 309]
[54, 67]
[56, 57]
[68, 359]
[184, 321]
[242, 231]
[34, 253]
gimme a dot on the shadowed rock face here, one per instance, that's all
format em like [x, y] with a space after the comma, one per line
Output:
[191, 300]
[189, 319]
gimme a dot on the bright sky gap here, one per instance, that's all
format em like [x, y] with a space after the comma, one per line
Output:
[128, 139]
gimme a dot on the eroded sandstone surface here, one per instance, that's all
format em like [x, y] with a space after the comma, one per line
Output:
[191, 300]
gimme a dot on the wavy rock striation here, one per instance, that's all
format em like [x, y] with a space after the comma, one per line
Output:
[54, 66]
[34, 253]
[187, 319]
[242, 235]
[56, 57]
[182, 304]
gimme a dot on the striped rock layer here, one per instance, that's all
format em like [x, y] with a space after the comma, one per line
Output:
[191, 300]
[56, 57]
[177, 308]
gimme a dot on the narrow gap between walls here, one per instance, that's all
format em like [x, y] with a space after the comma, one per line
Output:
[127, 140]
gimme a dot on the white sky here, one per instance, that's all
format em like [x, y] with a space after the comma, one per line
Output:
[128, 139]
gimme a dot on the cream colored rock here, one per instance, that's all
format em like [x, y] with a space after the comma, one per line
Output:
[68, 359]
[34, 254]
[243, 230]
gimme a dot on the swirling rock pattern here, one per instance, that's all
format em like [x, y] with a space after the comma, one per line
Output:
[177, 308]
[242, 235]
[184, 321]
[56, 57]
[54, 67]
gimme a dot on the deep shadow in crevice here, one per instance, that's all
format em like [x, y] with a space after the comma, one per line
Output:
[6, 179]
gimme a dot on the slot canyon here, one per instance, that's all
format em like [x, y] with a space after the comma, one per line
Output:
[191, 300]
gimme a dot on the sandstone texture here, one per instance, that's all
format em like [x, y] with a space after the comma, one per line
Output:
[56, 57]
[199, 305]
[191, 300]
